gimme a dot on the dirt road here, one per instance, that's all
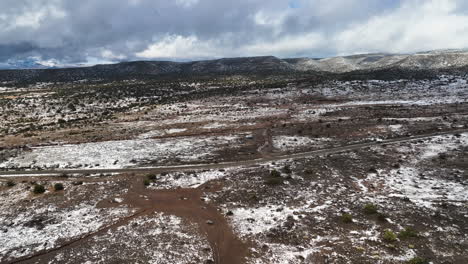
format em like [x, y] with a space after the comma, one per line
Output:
[229, 164]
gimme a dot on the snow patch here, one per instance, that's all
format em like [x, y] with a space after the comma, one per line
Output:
[118, 154]
[188, 180]
[28, 233]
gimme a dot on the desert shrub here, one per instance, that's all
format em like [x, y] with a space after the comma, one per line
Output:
[147, 182]
[274, 181]
[58, 187]
[370, 208]
[38, 189]
[151, 177]
[10, 183]
[347, 218]
[389, 236]
[382, 217]
[71, 107]
[417, 260]
[275, 174]
[407, 233]
[287, 169]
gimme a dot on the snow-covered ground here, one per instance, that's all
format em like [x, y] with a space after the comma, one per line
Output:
[215, 125]
[156, 238]
[118, 154]
[150, 134]
[395, 128]
[175, 130]
[445, 89]
[188, 180]
[414, 180]
[27, 233]
[223, 113]
[249, 222]
[424, 191]
[314, 113]
[253, 221]
[286, 254]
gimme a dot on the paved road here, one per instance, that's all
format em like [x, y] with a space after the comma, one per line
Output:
[230, 164]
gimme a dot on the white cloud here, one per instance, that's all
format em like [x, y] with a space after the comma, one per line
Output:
[186, 3]
[108, 54]
[287, 45]
[272, 20]
[180, 47]
[31, 17]
[417, 25]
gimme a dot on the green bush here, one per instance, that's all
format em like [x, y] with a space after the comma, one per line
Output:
[10, 183]
[275, 174]
[38, 189]
[389, 236]
[287, 169]
[347, 218]
[407, 233]
[147, 182]
[274, 178]
[58, 187]
[370, 208]
[151, 177]
[417, 260]
[274, 181]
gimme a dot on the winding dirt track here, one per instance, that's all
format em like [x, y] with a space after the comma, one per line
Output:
[231, 164]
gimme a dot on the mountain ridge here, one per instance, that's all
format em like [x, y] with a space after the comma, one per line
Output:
[433, 60]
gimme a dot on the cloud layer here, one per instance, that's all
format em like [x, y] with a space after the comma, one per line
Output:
[112, 30]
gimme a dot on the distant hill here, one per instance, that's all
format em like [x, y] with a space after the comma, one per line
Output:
[417, 61]
[138, 69]
[433, 60]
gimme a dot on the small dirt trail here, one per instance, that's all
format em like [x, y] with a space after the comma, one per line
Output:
[188, 204]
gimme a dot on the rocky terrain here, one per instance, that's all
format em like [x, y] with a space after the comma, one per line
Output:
[249, 160]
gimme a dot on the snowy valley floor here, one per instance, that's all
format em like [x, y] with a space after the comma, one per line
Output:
[386, 202]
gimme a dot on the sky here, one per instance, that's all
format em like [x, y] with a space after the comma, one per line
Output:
[95, 31]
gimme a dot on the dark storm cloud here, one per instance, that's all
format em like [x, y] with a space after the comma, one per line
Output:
[19, 48]
[87, 27]
[74, 31]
